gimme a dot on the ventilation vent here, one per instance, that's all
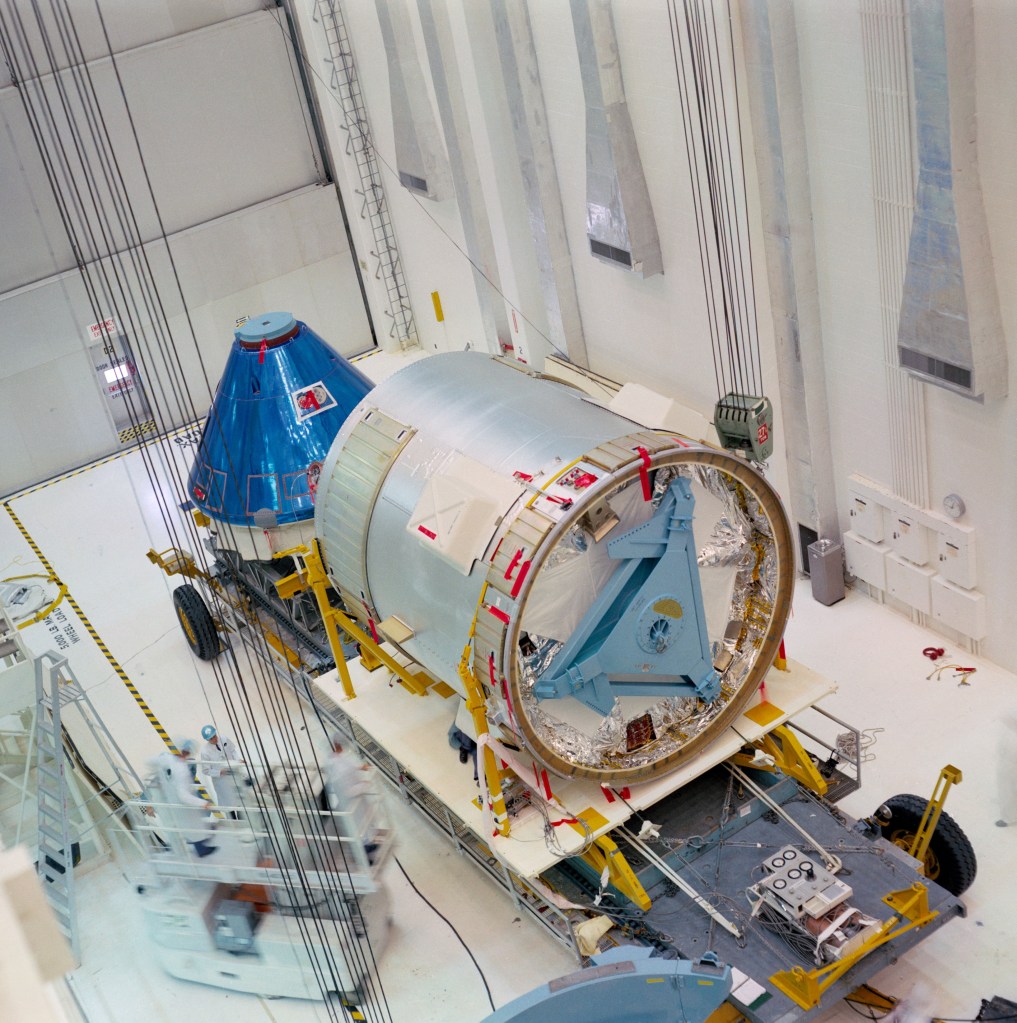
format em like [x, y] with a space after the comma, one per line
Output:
[944, 372]
[413, 183]
[605, 251]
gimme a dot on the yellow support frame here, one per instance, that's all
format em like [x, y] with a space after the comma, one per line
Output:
[789, 757]
[334, 619]
[174, 561]
[805, 988]
[476, 704]
[950, 775]
[604, 853]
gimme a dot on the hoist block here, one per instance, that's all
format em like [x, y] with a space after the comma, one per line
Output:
[744, 422]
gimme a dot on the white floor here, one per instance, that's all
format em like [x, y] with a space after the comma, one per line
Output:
[94, 528]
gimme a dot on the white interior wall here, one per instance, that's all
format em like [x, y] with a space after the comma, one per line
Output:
[836, 116]
[428, 233]
[655, 331]
[965, 438]
[237, 184]
[652, 331]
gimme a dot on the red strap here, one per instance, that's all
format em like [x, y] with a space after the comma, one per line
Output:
[430, 534]
[512, 564]
[546, 783]
[370, 621]
[499, 614]
[644, 473]
[608, 794]
[518, 584]
[508, 699]
[261, 352]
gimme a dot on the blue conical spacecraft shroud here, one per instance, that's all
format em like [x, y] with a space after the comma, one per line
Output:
[282, 398]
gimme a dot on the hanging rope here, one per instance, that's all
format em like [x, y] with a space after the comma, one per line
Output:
[96, 210]
[717, 176]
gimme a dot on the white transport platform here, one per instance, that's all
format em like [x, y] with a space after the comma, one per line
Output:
[414, 730]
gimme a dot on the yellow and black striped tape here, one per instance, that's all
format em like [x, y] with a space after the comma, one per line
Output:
[71, 473]
[133, 432]
[117, 667]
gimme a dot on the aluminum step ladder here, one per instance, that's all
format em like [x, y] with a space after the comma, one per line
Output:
[58, 794]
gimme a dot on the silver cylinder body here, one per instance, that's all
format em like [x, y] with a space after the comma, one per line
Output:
[458, 481]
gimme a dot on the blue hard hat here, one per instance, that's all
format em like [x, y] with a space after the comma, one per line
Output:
[184, 745]
[208, 731]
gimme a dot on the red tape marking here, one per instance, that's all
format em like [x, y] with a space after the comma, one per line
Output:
[508, 699]
[490, 669]
[518, 584]
[644, 473]
[565, 820]
[512, 564]
[546, 783]
[428, 533]
[261, 352]
[625, 794]
[608, 794]
[370, 621]
[499, 614]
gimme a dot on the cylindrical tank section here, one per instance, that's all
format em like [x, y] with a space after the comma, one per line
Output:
[627, 588]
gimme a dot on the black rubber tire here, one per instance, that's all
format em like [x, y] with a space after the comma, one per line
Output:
[196, 622]
[950, 860]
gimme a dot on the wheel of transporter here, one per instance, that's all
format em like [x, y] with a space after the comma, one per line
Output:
[950, 859]
[196, 621]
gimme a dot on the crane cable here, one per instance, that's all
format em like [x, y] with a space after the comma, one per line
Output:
[720, 207]
[92, 245]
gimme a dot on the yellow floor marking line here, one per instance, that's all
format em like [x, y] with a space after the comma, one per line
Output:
[138, 698]
[71, 473]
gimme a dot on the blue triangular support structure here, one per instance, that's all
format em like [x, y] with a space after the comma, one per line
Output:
[645, 634]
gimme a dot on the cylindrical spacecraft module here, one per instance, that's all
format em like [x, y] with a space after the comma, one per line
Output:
[621, 591]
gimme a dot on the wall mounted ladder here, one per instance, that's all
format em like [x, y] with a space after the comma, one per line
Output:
[345, 86]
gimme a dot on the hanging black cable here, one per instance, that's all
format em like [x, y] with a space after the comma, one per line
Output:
[706, 266]
[722, 217]
[104, 299]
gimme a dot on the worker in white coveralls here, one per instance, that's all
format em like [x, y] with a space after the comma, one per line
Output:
[348, 791]
[215, 760]
[189, 813]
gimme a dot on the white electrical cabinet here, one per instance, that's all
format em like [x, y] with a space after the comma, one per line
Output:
[961, 610]
[866, 560]
[909, 583]
[908, 537]
[866, 516]
[955, 556]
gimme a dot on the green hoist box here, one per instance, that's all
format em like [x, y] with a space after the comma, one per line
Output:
[744, 422]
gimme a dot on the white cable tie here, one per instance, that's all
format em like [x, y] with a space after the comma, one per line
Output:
[649, 830]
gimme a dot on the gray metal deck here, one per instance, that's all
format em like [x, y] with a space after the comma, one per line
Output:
[720, 854]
